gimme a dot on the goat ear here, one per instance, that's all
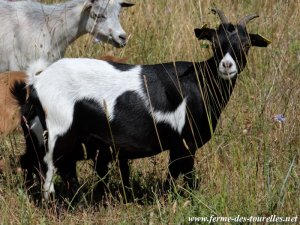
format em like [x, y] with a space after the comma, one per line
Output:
[88, 4]
[259, 41]
[126, 4]
[204, 33]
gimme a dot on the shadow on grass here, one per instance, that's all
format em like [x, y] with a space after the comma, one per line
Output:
[144, 191]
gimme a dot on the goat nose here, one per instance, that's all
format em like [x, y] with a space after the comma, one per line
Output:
[227, 64]
[122, 37]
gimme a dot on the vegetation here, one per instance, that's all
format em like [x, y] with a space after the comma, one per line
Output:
[251, 167]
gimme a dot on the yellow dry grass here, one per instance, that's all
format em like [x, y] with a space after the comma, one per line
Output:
[251, 165]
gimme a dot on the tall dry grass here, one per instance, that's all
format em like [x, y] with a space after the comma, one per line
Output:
[251, 165]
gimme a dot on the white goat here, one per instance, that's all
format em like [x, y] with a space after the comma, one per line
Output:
[30, 30]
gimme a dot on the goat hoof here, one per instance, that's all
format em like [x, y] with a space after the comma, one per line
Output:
[192, 183]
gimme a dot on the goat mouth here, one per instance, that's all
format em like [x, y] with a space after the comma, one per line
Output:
[117, 44]
[227, 75]
[111, 41]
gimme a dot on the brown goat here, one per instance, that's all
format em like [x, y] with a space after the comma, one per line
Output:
[9, 109]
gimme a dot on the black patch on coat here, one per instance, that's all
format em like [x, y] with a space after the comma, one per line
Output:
[163, 84]
[121, 66]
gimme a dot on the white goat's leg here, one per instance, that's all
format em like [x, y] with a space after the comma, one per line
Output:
[48, 159]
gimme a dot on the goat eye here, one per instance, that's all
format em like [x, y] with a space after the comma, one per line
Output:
[101, 17]
[246, 46]
[98, 16]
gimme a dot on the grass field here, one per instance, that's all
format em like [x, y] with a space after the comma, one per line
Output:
[251, 167]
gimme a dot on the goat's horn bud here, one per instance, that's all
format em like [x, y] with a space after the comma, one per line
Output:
[243, 22]
[221, 14]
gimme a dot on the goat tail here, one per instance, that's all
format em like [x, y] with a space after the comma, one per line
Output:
[35, 68]
[19, 91]
[27, 99]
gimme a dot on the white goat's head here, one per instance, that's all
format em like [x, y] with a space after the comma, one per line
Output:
[103, 21]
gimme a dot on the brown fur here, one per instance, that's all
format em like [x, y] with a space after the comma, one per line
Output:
[2, 165]
[9, 109]
[111, 58]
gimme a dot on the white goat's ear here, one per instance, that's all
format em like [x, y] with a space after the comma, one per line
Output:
[88, 4]
[204, 33]
[259, 41]
[126, 4]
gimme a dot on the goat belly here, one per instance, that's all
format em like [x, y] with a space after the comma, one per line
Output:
[132, 128]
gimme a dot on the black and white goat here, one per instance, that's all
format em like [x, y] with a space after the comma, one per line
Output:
[139, 110]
